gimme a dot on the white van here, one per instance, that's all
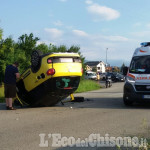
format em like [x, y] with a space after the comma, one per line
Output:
[137, 84]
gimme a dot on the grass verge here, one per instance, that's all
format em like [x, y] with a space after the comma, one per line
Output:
[2, 99]
[87, 85]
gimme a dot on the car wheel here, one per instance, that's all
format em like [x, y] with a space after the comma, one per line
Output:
[36, 60]
[126, 101]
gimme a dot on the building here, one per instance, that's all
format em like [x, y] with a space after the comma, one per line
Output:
[96, 66]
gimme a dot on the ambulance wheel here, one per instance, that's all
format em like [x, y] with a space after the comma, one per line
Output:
[126, 101]
[36, 60]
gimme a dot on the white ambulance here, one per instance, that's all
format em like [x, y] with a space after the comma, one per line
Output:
[137, 84]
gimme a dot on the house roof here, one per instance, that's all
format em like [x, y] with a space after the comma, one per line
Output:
[93, 63]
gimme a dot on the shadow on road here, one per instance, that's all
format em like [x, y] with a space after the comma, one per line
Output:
[108, 103]
[112, 103]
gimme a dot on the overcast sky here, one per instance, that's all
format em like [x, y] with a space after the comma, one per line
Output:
[94, 25]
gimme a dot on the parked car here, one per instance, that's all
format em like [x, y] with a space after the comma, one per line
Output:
[119, 77]
[90, 75]
[103, 76]
[116, 77]
[111, 74]
[50, 78]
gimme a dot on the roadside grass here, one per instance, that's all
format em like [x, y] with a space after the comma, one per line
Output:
[2, 99]
[148, 143]
[87, 85]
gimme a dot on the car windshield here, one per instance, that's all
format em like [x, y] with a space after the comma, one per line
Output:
[92, 74]
[119, 75]
[140, 64]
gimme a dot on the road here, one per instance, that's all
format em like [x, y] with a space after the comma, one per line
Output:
[102, 112]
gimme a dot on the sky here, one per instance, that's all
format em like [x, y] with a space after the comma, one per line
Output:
[100, 27]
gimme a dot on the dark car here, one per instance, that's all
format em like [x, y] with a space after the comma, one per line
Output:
[116, 77]
[112, 75]
[120, 77]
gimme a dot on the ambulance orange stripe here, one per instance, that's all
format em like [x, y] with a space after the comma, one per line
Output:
[130, 75]
[142, 51]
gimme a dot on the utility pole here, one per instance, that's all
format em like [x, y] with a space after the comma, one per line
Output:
[106, 55]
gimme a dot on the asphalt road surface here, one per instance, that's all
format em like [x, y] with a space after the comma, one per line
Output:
[102, 113]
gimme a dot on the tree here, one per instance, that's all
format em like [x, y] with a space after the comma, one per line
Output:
[121, 69]
[116, 69]
[43, 47]
[20, 57]
[6, 55]
[1, 33]
[76, 49]
[62, 48]
[27, 43]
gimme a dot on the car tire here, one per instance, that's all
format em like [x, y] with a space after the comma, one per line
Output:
[36, 60]
[126, 101]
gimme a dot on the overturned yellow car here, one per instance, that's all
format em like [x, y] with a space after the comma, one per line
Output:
[51, 78]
